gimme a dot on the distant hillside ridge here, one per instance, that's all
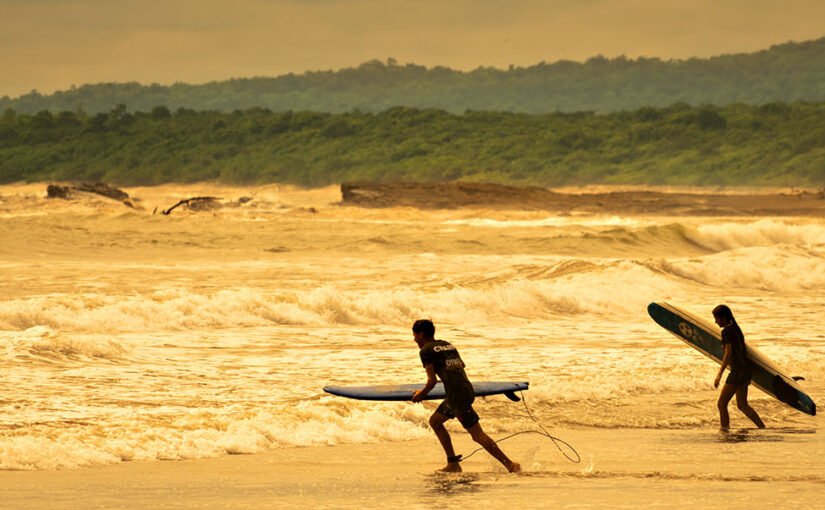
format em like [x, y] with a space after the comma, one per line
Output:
[789, 72]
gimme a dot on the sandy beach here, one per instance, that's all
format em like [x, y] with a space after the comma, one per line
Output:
[619, 469]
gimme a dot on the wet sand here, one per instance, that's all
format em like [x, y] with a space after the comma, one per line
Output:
[669, 471]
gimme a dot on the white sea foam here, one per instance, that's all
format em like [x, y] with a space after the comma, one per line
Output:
[22, 214]
[44, 342]
[672, 239]
[783, 269]
[535, 291]
[630, 285]
[202, 433]
[765, 232]
[552, 221]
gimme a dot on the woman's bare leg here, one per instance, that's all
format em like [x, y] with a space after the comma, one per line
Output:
[728, 390]
[742, 404]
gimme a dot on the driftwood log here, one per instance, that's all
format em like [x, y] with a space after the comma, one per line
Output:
[203, 203]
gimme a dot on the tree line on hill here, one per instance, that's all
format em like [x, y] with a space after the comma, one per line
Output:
[787, 72]
[738, 144]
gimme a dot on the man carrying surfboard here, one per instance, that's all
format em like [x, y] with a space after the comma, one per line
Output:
[741, 369]
[441, 359]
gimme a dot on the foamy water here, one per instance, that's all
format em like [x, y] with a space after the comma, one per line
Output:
[131, 336]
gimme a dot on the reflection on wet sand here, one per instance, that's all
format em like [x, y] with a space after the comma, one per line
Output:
[454, 483]
[761, 435]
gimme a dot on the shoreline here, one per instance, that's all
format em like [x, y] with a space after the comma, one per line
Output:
[466, 196]
[617, 466]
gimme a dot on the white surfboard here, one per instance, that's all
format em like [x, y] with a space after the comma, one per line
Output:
[400, 392]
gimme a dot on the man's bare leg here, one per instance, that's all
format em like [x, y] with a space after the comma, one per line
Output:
[480, 437]
[437, 423]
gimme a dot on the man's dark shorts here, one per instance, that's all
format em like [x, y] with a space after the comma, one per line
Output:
[463, 411]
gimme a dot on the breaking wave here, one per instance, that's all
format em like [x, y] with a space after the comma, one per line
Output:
[175, 434]
[676, 238]
[527, 291]
[563, 292]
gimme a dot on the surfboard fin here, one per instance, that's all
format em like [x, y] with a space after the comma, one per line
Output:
[798, 378]
[512, 396]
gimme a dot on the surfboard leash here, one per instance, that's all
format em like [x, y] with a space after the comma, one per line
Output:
[556, 441]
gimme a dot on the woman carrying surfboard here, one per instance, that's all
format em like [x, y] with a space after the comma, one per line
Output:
[441, 359]
[741, 369]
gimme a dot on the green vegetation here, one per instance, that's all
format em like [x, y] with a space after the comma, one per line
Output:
[776, 143]
[788, 72]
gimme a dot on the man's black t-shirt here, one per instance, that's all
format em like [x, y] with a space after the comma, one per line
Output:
[444, 358]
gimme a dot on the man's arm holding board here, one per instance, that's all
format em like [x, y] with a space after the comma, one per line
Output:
[419, 395]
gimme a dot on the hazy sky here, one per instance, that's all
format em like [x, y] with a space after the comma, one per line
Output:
[53, 44]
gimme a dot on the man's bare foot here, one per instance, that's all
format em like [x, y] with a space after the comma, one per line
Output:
[514, 467]
[451, 467]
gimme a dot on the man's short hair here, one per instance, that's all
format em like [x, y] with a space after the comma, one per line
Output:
[424, 326]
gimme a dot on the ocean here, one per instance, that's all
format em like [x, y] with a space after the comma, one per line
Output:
[128, 337]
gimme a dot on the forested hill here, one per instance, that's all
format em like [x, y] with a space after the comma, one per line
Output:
[776, 143]
[787, 72]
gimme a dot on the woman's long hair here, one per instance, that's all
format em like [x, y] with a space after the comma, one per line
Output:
[724, 312]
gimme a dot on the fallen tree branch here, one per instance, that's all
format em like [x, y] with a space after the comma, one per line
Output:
[186, 201]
